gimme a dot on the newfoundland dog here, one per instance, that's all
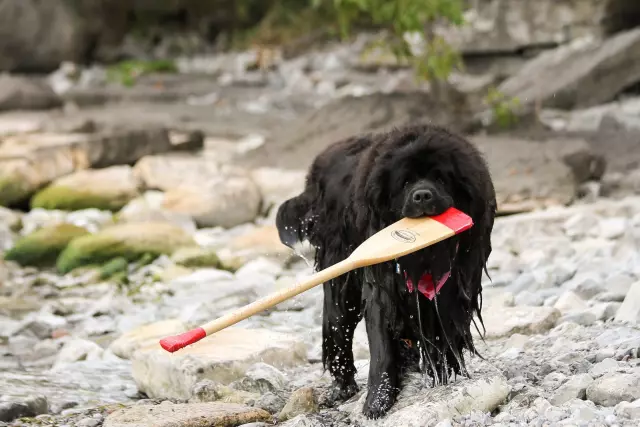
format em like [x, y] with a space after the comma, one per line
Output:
[355, 188]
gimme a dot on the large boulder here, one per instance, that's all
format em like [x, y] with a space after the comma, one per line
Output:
[222, 357]
[129, 241]
[512, 26]
[38, 35]
[581, 74]
[212, 194]
[106, 189]
[30, 161]
[21, 93]
[42, 247]
[168, 414]
[531, 174]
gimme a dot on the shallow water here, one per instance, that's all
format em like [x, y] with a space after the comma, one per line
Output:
[80, 385]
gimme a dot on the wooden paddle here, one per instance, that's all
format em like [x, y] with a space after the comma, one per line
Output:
[399, 239]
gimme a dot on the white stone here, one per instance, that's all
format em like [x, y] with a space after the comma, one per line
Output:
[76, 350]
[630, 309]
[613, 388]
[612, 228]
[222, 357]
[569, 302]
[523, 320]
[576, 387]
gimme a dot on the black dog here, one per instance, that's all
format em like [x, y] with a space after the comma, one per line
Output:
[355, 188]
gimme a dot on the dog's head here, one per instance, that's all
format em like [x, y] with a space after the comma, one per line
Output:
[422, 171]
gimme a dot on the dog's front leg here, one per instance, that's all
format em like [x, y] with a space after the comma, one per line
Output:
[383, 369]
[341, 315]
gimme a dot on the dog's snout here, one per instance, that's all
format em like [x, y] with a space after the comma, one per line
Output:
[421, 196]
[425, 199]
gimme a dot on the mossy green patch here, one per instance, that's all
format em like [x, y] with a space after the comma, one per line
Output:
[126, 72]
[42, 247]
[114, 267]
[12, 191]
[70, 199]
[131, 242]
[197, 258]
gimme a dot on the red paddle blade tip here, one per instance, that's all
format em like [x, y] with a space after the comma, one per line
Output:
[456, 220]
[175, 343]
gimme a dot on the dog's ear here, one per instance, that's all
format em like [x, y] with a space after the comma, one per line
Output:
[293, 221]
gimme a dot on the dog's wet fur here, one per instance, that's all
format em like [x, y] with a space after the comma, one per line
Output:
[355, 188]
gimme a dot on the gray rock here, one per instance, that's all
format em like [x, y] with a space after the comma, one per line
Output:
[529, 298]
[569, 302]
[586, 285]
[301, 401]
[580, 225]
[629, 409]
[270, 402]
[613, 388]
[523, 320]
[77, 349]
[88, 422]
[262, 378]
[42, 324]
[605, 353]
[223, 357]
[232, 196]
[570, 76]
[167, 414]
[29, 407]
[303, 421]
[630, 309]
[72, 30]
[576, 387]
[619, 283]
[605, 311]
[22, 93]
[609, 297]
[605, 366]
[612, 228]
[583, 318]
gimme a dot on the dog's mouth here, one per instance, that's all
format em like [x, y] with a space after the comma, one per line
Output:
[427, 284]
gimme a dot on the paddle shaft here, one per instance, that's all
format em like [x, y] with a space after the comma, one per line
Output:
[278, 297]
[177, 342]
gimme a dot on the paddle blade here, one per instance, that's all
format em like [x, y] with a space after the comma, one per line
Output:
[409, 235]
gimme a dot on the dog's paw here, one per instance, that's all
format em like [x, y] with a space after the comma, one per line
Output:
[341, 392]
[379, 400]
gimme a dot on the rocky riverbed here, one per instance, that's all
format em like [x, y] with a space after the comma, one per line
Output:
[132, 213]
[561, 316]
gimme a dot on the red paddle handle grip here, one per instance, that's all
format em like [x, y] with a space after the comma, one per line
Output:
[177, 342]
[454, 219]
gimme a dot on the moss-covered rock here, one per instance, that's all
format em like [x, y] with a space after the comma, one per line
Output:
[106, 189]
[12, 191]
[131, 242]
[114, 267]
[197, 258]
[71, 199]
[42, 247]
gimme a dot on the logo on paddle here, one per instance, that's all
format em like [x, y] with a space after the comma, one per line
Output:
[404, 236]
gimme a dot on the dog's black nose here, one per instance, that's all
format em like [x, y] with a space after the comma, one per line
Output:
[422, 196]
